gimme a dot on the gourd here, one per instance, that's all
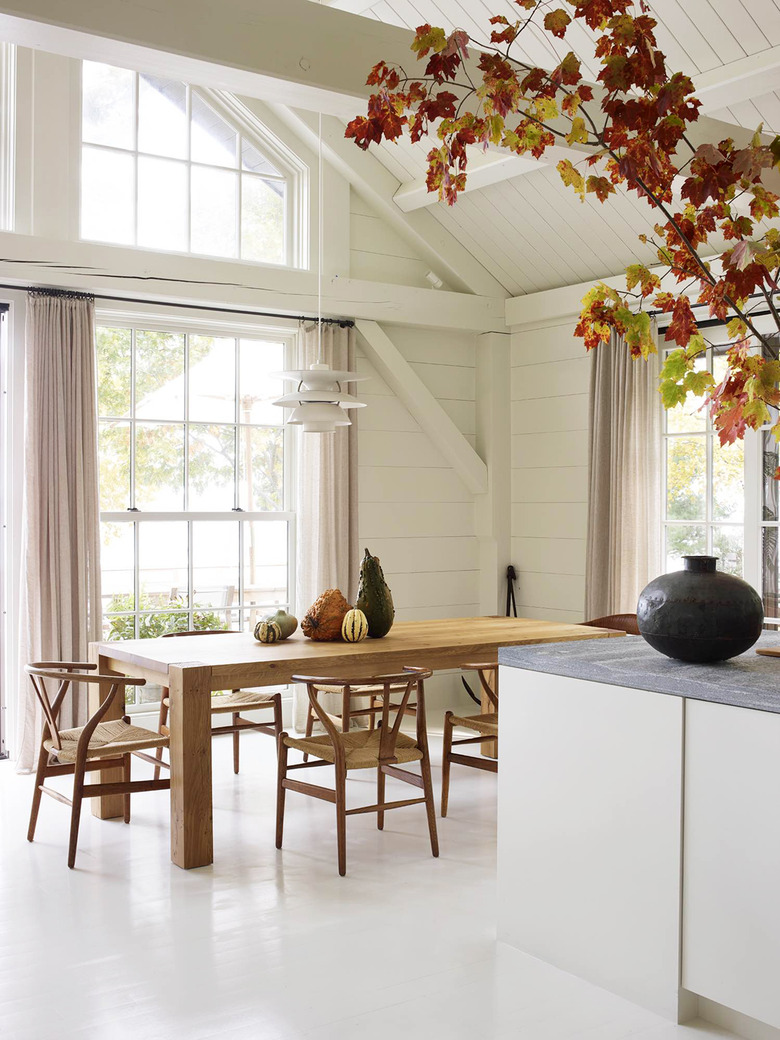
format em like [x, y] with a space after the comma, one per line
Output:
[286, 622]
[374, 597]
[323, 619]
[267, 632]
[354, 627]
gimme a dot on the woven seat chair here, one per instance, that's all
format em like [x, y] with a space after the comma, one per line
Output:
[97, 745]
[370, 712]
[617, 622]
[383, 748]
[232, 703]
[485, 724]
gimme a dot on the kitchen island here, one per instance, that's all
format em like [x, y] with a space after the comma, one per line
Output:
[639, 822]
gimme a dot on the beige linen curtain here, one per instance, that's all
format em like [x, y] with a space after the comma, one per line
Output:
[61, 563]
[326, 494]
[624, 500]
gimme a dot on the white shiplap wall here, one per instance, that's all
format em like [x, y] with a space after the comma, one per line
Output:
[550, 373]
[378, 253]
[415, 513]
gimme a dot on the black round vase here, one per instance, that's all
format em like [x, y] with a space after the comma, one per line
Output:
[700, 614]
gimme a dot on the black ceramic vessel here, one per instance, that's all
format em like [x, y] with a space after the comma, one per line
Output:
[700, 614]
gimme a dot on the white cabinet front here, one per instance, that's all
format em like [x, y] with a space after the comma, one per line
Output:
[731, 891]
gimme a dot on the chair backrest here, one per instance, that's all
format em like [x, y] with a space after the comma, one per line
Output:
[44, 674]
[200, 632]
[617, 622]
[395, 692]
[488, 678]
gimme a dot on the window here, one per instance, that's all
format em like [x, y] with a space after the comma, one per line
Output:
[170, 167]
[704, 486]
[197, 530]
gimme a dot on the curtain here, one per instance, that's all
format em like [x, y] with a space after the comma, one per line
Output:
[326, 495]
[624, 499]
[61, 604]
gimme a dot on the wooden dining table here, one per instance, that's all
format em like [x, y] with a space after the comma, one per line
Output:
[193, 667]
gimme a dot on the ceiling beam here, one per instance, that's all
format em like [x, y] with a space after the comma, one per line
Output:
[296, 52]
[433, 420]
[448, 257]
[414, 194]
[179, 278]
[484, 169]
[739, 80]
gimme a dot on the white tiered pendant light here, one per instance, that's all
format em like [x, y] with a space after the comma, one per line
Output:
[319, 405]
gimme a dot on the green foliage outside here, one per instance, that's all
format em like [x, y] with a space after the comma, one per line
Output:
[159, 461]
[156, 622]
[686, 489]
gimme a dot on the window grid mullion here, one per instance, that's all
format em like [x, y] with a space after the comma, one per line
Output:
[186, 397]
[136, 120]
[190, 574]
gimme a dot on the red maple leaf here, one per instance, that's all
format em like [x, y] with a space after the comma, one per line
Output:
[683, 323]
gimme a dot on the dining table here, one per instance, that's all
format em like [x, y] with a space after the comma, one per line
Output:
[191, 668]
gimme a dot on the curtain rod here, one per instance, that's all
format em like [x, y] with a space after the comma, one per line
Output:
[345, 323]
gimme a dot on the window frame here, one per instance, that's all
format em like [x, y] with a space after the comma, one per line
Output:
[146, 319]
[294, 173]
[707, 434]
[753, 522]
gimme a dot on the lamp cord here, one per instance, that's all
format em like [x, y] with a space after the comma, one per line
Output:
[321, 223]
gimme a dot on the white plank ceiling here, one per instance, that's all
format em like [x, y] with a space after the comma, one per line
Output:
[530, 231]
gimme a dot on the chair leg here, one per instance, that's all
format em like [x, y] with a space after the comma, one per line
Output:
[75, 813]
[341, 818]
[161, 721]
[309, 727]
[430, 808]
[235, 742]
[280, 791]
[380, 798]
[445, 763]
[40, 774]
[127, 777]
[277, 714]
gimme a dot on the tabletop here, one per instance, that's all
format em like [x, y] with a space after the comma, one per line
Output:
[238, 659]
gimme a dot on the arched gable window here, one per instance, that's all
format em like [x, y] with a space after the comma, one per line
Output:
[176, 168]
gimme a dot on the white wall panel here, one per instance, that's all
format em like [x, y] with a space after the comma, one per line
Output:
[550, 377]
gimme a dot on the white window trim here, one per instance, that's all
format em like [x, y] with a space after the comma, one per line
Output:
[295, 172]
[156, 317]
[8, 92]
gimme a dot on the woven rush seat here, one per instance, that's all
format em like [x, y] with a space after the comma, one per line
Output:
[236, 700]
[361, 748]
[109, 738]
[487, 724]
[360, 691]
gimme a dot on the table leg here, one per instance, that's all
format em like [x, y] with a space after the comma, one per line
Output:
[489, 748]
[192, 839]
[110, 806]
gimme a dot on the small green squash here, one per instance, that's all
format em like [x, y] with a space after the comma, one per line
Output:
[354, 627]
[267, 632]
[286, 622]
[374, 597]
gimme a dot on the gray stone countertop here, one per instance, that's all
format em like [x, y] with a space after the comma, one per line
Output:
[747, 681]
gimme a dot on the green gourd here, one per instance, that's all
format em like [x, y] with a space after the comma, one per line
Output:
[374, 597]
[286, 622]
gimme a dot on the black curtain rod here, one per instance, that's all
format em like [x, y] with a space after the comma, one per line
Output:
[345, 323]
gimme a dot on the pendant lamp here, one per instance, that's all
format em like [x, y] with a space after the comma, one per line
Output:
[319, 405]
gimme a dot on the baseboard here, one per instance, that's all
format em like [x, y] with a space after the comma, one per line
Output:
[742, 1025]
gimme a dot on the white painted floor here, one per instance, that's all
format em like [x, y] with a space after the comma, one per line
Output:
[269, 945]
